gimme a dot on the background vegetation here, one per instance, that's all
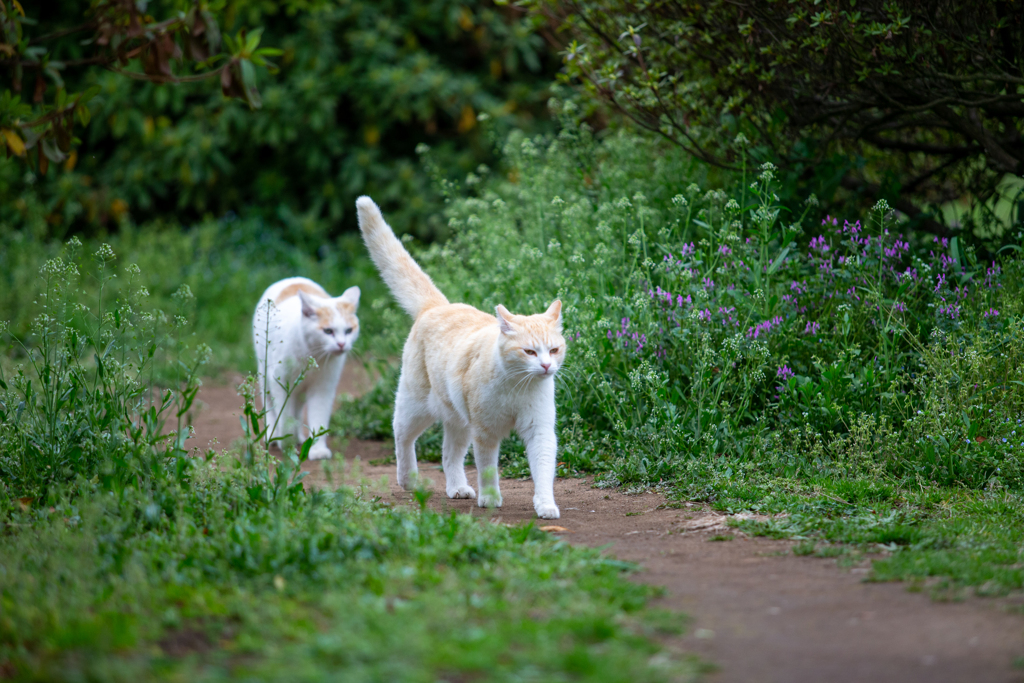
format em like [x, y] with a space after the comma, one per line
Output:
[916, 102]
[358, 85]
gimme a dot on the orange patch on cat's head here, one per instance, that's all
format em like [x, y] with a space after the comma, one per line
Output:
[519, 331]
[294, 289]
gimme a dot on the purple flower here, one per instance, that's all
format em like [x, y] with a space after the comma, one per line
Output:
[812, 327]
[990, 313]
[705, 315]
[952, 310]
[764, 327]
[784, 373]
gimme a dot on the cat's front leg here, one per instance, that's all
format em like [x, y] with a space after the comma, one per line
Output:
[486, 455]
[319, 403]
[541, 451]
[278, 414]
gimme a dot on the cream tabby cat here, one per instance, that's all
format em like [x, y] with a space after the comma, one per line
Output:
[481, 375]
[305, 322]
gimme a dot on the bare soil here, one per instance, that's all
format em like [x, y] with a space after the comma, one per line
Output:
[758, 612]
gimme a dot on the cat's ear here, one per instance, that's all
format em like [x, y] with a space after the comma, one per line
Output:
[554, 313]
[504, 320]
[351, 296]
[308, 307]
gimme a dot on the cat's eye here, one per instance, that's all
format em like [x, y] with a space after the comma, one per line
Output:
[329, 330]
[554, 350]
[530, 352]
[348, 330]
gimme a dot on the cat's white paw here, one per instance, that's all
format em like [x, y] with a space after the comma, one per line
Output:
[319, 453]
[407, 480]
[489, 500]
[547, 510]
[464, 491]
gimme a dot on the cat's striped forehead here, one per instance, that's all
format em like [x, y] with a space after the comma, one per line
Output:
[345, 311]
[534, 330]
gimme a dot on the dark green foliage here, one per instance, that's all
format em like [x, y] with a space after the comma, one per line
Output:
[361, 84]
[913, 101]
[47, 47]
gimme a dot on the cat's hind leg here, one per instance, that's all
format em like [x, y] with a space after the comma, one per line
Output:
[412, 417]
[456, 443]
[485, 452]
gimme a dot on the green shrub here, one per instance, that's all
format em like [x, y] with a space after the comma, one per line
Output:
[360, 85]
[917, 110]
[711, 324]
[96, 388]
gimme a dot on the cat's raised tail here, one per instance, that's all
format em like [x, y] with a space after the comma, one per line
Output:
[413, 288]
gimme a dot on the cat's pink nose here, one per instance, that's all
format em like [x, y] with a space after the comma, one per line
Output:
[341, 346]
[545, 366]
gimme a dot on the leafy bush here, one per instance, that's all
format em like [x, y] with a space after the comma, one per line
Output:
[710, 325]
[908, 100]
[361, 84]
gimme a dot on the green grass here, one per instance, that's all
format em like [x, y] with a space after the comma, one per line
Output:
[125, 557]
[228, 582]
[951, 538]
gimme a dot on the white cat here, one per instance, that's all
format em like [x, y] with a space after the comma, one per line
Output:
[481, 375]
[304, 322]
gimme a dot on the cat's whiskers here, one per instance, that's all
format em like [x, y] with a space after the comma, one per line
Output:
[525, 376]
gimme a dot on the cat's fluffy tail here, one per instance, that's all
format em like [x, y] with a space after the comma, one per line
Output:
[412, 287]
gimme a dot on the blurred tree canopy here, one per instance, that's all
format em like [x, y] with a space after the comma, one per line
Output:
[917, 101]
[361, 85]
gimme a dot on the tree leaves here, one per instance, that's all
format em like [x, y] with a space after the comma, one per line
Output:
[925, 93]
[116, 34]
[14, 143]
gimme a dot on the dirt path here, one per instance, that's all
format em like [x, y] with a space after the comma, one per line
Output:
[760, 613]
